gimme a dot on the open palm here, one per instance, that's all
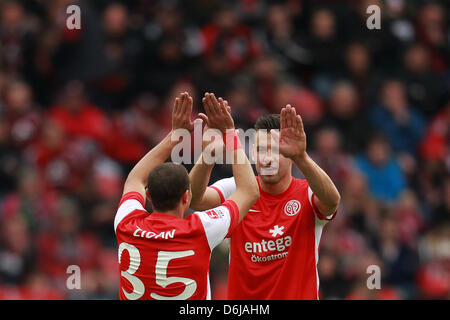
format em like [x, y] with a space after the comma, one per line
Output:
[181, 114]
[292, 140]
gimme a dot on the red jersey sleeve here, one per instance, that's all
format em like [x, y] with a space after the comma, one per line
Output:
[316, 211]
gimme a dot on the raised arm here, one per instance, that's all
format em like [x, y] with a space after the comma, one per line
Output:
[203, 198]
[218, 116]
[293, 145]
[247, 189]
[137, 178]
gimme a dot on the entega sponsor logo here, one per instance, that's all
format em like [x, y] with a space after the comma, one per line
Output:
[279, 245]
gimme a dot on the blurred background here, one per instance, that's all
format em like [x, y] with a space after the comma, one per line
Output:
[78, 108]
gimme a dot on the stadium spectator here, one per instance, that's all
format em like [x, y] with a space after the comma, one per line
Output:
[329, 156]
[17, 38]
[9, 160]
[402, 124]
[168, 50]
[64, 245]
[305, 101]
[333, 283]
[323, 36]
[400, 260]
[384, 175]
[424, 87]
[18, 252]
[280, 39]
[121, 49]
[265, 74]
[346, 115]
[245, 110]
[21, 114]
[431, 31]
[230, 37]
[78, 117]
[435, 143]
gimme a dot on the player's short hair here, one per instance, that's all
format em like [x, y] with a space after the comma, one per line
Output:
[166, 184]
[268, 122]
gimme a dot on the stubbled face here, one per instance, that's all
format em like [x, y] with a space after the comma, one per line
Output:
[271, 166]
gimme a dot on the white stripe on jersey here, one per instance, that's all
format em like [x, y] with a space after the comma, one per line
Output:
[227, 186]
[208, 288]
[126, 208]
[216, 227]
[319, 224]
[318, 228]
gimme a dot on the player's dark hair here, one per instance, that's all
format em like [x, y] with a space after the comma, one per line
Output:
[166, 185]
[268, 122]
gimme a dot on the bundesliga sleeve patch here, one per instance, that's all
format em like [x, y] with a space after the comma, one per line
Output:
[215, 214]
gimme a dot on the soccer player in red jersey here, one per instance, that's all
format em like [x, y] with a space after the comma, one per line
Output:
[165, 255]
[274, 251]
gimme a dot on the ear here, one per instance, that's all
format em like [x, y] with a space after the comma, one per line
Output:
[186, 197]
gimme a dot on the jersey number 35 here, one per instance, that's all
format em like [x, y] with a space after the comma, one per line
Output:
[162, 280]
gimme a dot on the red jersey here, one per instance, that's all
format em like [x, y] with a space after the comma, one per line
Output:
[274, 251]
[165, 257]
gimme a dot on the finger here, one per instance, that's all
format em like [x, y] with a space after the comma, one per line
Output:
[275, 135]
[225, 103]
[275, 132]
[222, 106]
[214, 104]
[188, 105]
[205, 101]
[283, 118]
[209, 104]
[294, 112]
[299, 121]
[183, 105]
[190, 125]
[176, 107]
[204, 118]
[288, 116]
[293, 117]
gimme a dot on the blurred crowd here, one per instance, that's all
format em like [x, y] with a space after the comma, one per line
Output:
[78, 108]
